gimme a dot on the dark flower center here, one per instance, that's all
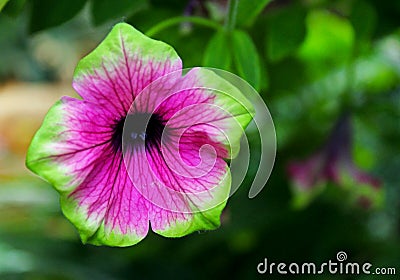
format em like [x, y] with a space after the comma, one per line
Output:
[140, 129]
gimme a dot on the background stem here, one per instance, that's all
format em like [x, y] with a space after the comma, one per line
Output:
[230, 21]
[177, 20]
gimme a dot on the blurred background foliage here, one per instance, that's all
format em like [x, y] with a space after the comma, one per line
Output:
[311, 60]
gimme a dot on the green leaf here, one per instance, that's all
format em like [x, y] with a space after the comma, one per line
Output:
[3, 3]
[329, 36]
[103, 10]
[246, 58]
[387, 13]
[286, 30]
[217, 53]
[264, 80]
[248, 10]
[363, 18]
[328, 44]
[50, 13]
[12, 8]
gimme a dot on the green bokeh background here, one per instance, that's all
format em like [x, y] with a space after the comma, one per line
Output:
[310, 60]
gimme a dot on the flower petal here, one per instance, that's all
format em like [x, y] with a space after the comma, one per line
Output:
[106, 208]
[308, 179]
[364, 188]
[178, 204]
[64, 149]
[308, 173]
[200, 100]
[121, 67]
[230, 114]
[73, 151]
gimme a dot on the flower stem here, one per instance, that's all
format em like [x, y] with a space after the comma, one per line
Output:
[230, 20]
[177, 20]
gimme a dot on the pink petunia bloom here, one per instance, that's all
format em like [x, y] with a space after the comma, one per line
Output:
[334, 163]
[145, 146]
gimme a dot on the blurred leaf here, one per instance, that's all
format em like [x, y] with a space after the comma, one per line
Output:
[302, 198]
[13, 7]
[375, 75]
[190, 46]
[365, 144]
[388, 14]
[316, 103]
[103, 10]
[363, 18]
[264, 81]
[246, 58]
[285, 32]
[329, 37]
[49, 13]
[328, 43]
[177, 5]
[13, 260]
[3, 3]
[142, 21]
[248, 10]
[217, 53]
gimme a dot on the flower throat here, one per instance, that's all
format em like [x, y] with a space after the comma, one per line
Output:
[141, 129]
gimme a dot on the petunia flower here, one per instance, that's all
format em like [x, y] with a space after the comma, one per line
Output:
[146, 146]
[334, 163]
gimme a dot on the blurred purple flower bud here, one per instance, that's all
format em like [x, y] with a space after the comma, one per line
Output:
[334, 163]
